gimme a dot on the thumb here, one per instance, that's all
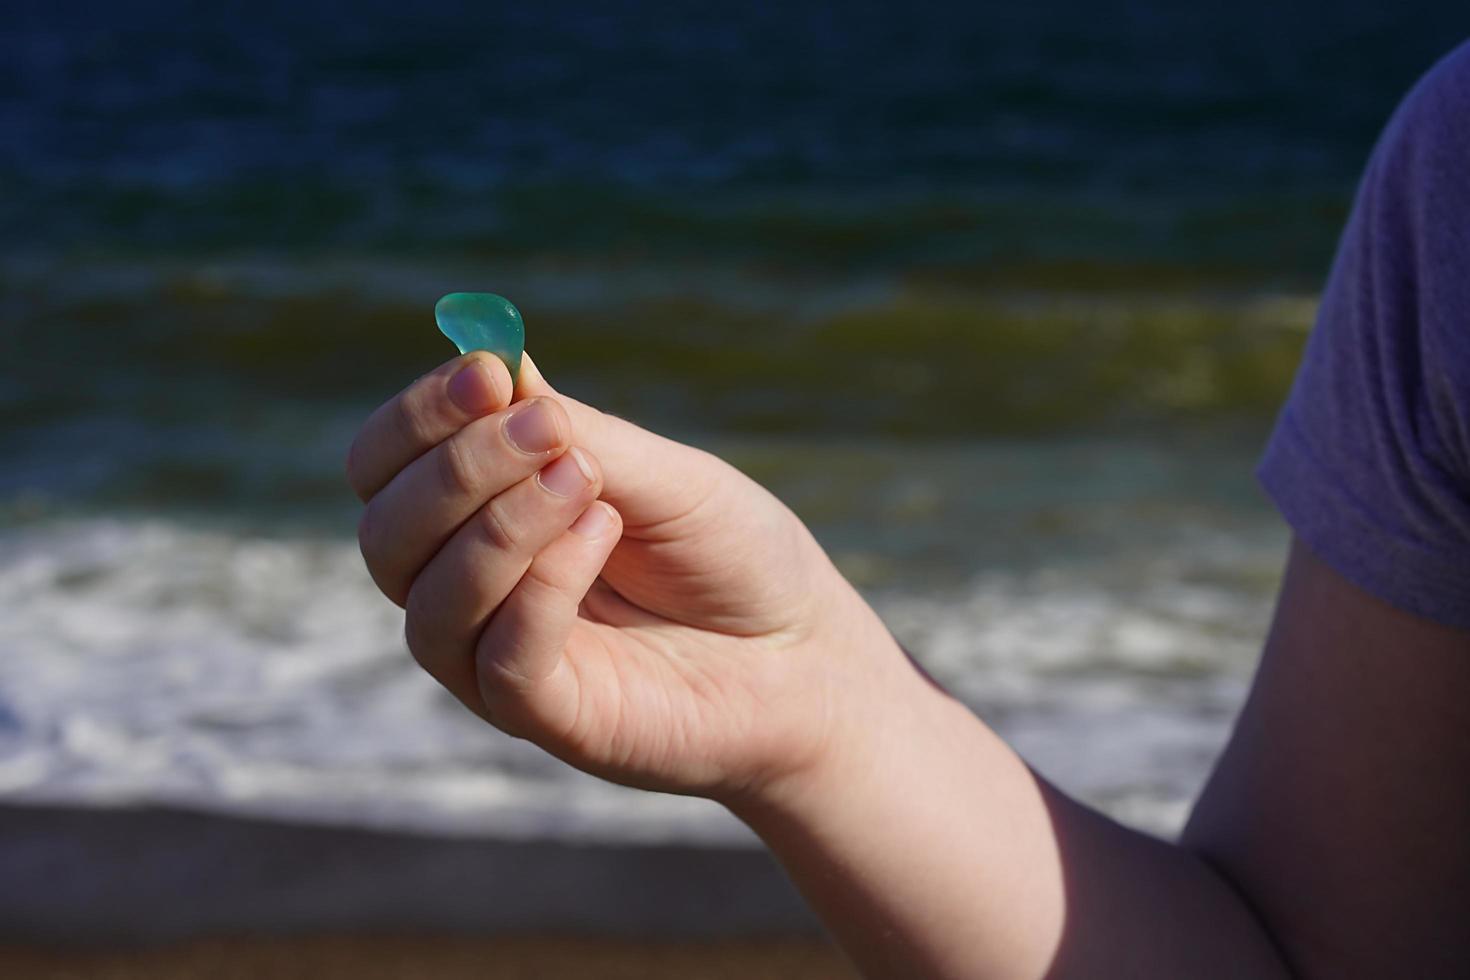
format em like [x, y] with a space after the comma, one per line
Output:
[649, 479]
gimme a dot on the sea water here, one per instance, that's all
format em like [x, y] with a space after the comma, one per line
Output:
[1100, 603]
[1001, 301]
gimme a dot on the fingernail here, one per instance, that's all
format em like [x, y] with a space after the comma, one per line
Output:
[533, 429]
[594, 521]
[568, 475]
[473, 388]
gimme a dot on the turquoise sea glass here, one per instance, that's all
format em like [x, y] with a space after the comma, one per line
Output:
[483, 321]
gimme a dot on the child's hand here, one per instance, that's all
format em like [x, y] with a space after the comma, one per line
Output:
[718, 653]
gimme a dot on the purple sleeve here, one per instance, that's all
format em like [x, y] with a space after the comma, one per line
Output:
[1370, 459]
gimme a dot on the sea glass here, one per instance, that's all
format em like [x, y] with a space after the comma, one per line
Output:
[483, 321]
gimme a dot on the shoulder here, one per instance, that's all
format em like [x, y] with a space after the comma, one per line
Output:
[1431, 127]
[1447, 84]
[1370, 460]
[1412, 220]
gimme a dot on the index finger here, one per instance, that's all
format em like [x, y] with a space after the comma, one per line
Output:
[423, 415]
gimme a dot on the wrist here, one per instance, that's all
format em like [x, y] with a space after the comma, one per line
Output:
[884, 716]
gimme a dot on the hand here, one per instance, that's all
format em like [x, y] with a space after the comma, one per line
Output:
[683, 633]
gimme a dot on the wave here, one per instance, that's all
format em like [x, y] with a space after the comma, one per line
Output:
[148, 660]
[717, 349]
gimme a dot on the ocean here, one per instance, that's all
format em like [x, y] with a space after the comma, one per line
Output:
[1001, 299]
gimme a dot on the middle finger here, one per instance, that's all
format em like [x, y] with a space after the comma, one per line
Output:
[409, 519]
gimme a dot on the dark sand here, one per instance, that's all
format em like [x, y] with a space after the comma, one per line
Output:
[154, 892]
[450, 958]
[74, 875]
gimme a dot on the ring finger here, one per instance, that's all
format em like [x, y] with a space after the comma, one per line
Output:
[411, 518]
[455, 594]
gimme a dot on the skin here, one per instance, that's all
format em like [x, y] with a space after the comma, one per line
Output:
[666, 623]
[1342, 805]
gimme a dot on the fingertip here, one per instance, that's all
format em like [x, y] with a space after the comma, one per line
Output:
[598, 521]
[573, 474]
[480, 385]
[589, 464]
[505, 386]
[531, 381]
[537, 426]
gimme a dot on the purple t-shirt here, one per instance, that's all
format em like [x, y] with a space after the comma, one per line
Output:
[1370, 459]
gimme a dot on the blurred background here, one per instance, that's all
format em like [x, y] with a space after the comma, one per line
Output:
[1000, 298]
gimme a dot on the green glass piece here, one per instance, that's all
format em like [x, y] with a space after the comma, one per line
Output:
[483, 321]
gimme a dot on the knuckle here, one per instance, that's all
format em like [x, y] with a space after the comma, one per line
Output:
[369, 536]
[351, 467]
[499, 677]
[410, 422]
[540, 582]
[458, 469]
[501, 696]
[499, 528]
[417, 629]
[372, 540]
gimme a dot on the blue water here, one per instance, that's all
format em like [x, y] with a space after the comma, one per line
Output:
[588, 127]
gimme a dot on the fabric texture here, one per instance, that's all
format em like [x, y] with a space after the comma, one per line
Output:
[1370, 458]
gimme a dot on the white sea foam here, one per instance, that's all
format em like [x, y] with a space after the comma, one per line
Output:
[148, 660]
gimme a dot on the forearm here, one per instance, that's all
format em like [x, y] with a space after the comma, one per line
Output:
[932, 850]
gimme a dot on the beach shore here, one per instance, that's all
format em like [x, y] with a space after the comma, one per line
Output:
[544, 957]
[160, 892]
[151, 874]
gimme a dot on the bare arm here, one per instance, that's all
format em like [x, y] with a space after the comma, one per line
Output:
[1336, 828]
[932, 850]
[687, 634]
[1332, 841]
[1342, 805]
